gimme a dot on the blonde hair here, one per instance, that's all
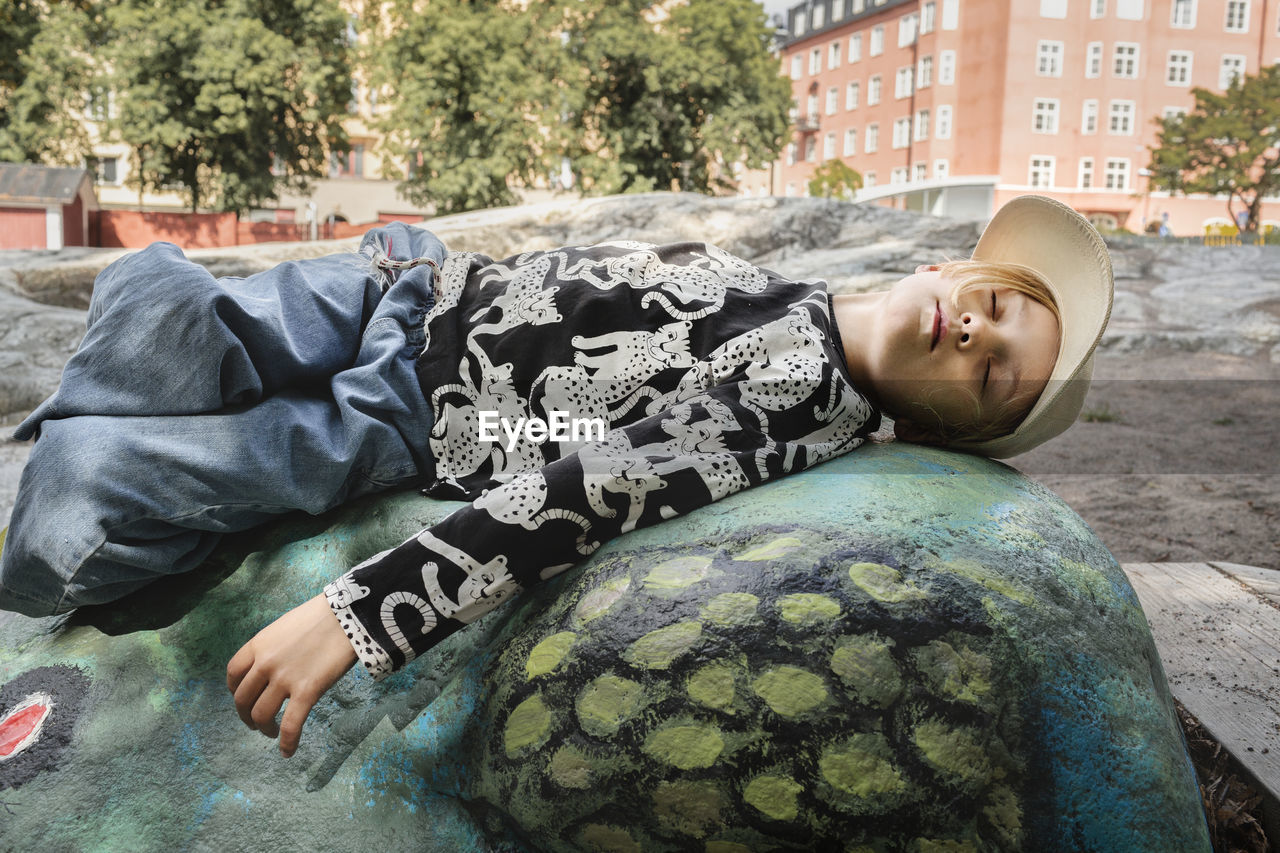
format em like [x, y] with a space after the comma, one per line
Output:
[973, 275]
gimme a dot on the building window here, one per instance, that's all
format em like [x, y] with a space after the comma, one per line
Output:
[106, 170]
[1053, 8]
[1178, 70]
[924, 72]
[869, 179]
[833, 55]
[901, 132]
[851, 142]
[791, 189]
[943, 128]
[902, 83]
[1174, 112]
[811, 107]
[928, 17]
[102, 103]
[1093, 59]
[815, 60]
[1129, 10]
[1237, 16]
[877, 40]
[873, 91]
[1120, 121]
[950, 14]
[833, 100]
[791, 154]
[1183, 14]
[1231, 69]
[855, 47]
[819, 16]
[1117, 174]
[851, 96]
[922, 125]
[922, 172]
[1049, 58]
[907, 25]
[947, 68]
[859, 6]
[1125, 61]
[1097, 8]
[1084, 177]
[1089, 117]
[810, 150]
[1044, 116]
[873, 139]
[1041, 173]
[940, 169]
[829, 146]
[797, 67]
[898, 175]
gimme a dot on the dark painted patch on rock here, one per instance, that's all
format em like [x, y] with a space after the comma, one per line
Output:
[38, 713]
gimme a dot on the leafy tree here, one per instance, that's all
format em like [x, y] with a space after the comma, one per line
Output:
[45, 74]
[475, 94]
[674, 102]
[833, 179]
[1228, 143]
[211, 92]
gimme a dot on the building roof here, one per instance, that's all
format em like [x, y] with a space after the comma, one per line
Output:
[32, 184]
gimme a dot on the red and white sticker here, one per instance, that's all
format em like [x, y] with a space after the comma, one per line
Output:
[20, 727]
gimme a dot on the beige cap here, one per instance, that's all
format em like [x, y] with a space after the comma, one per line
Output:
[1068, 252]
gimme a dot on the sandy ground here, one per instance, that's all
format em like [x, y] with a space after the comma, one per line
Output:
[1175, 458]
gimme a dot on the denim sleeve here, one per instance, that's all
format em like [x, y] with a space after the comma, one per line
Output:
[731, 436]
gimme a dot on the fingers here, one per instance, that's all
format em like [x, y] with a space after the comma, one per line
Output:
[295, 715]
[238, 667]
[248, 693]
[266, 708]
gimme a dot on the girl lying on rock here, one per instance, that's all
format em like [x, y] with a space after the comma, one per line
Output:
[569, 395]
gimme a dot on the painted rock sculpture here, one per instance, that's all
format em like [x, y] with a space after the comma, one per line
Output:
[904, 649]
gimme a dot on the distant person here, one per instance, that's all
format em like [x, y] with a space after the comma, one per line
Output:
[196, 407]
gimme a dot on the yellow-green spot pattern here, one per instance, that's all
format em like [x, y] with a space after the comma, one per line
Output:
[686, 746]
[609, 839]
[597, 602]
[528, 726]
[657, 649]
[713, 686]
[807, 608]
[678, 573]
[774, 796]
[861, 766]
[883, 583]
[570, 769]
[866, 666]
[956, 752]
[790, 691]
[607, 702]
[772, 550]
[731, 608]
[546, 656]
[688, 807]
[960, 673]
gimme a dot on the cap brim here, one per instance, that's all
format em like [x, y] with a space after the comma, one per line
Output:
[1068, 252]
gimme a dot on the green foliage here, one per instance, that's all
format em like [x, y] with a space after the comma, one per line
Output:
[671, 105]
[209, 92]
[45, 73]
[833, 179]
[474, 94]
[1228, 143]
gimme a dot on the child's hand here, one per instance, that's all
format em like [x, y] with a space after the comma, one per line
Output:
[297, 657]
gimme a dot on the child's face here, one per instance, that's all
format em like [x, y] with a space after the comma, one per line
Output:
[984, 362]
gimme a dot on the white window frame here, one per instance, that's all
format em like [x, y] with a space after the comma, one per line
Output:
[941, 170]
[1044, 115]
[871, 143]
[902, 82]
[1097, 9]
[851, 142]
[908, 26]
[1049, 58]
[922, 125]
[815, 61]
[924, 72]
[1089, 117]
[819, 16]
[1130, 10]
[1044, 165]
[797, 66]
[833, 99]
[928, 17]
[869, 179]
[901, 132]
[1242, 22]
[1185, 21]
[1056, 9]
[951, 14]
[811, 149]
[1169, 112]
[898, 175]
[947, 68]
[1124, 60]
[792, 153]
[1241, 64]
[1084, 174]
[1117, 168]
[874, 89]
[833, 56]
[920, 171]
[1121, 113]
[829, 146]
[1177, 70]
[942, 123]
[877, 41]
[1093, 59]
[851, 92]
[855, 48]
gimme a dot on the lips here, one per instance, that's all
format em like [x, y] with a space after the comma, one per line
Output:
[939, 326]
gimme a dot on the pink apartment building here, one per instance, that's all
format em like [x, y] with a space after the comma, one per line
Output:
[955, 106]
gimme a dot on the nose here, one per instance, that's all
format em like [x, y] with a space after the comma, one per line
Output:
[973, 328]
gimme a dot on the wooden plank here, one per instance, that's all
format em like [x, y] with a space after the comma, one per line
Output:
[1219, 640]
[1265, 582]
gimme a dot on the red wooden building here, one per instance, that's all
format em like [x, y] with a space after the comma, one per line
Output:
[44, 207]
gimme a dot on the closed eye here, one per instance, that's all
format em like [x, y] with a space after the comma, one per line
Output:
[986, 376]
[993, 305]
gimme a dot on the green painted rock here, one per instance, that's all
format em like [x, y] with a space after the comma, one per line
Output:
[903, 649]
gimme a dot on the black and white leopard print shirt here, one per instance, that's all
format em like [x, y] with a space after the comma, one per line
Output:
[710, 375]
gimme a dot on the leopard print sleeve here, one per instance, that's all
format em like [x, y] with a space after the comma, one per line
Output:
[768, 402]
